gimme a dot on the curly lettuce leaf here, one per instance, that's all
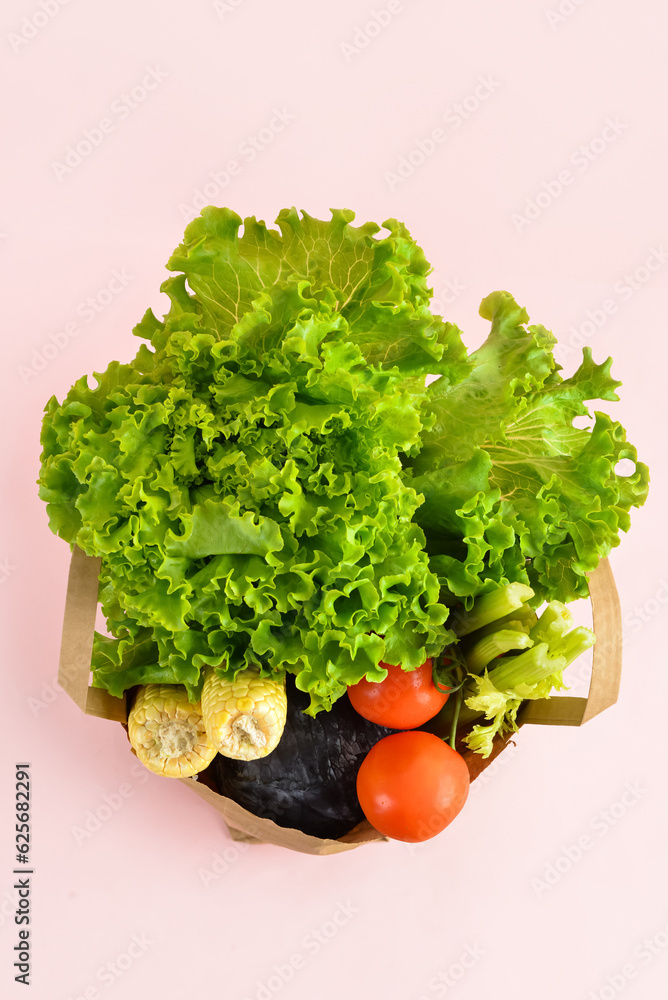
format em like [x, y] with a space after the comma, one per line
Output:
[242, 479]
[513, 490]
[378, 286]
[269, 481]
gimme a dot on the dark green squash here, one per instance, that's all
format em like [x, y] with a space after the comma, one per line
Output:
[308, 782]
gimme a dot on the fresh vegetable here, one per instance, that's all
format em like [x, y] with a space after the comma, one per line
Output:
[500, 603]
[167, 731]
[244, 718]
[242, 479]
[513, 491]
[270, 484]
[402, 700]
[548, 646]
[308, 782]
[411, 785]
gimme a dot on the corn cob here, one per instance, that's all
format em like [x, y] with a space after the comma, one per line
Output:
[167, 731]
[244, 718]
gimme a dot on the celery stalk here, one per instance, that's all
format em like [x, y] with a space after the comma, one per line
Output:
[535, 673]
[495, 644]
[490, 607]
[522, 619]
[555, 620]
[541, 661]
[571, 645]
[527, 668]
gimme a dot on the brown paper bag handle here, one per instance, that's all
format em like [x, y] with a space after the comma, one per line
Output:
[606, 668]
[76, 647]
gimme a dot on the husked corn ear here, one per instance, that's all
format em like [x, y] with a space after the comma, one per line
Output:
[244, 718]
[168, 733]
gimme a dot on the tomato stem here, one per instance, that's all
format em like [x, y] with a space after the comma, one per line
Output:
[443, 690]
[455, 717]
[443, 669]
[450, 688]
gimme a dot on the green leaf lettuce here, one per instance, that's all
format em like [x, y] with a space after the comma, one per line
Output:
[270, 482]
[242, 478]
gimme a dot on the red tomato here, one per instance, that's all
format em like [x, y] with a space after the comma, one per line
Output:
[404, 700]
[412, 785]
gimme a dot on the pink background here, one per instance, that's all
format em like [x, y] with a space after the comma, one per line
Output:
[472, 905]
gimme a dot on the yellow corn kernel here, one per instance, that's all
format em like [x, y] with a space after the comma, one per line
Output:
[168, 733]
[244, 718]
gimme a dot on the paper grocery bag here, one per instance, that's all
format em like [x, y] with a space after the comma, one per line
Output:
[76, 646]
[74, 678]
[606, 669]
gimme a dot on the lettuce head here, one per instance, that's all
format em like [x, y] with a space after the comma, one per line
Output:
[271, 482]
